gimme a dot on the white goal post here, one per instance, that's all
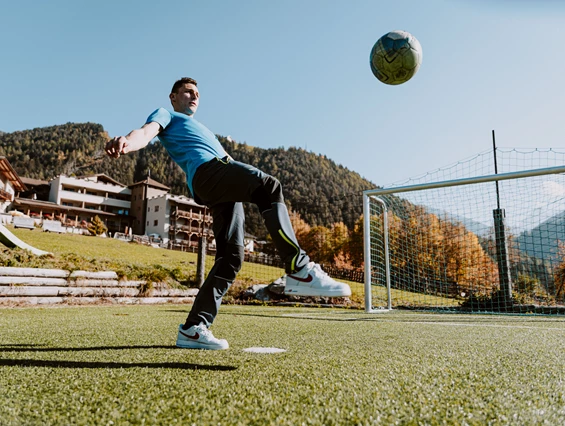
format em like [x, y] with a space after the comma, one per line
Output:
[467, 245]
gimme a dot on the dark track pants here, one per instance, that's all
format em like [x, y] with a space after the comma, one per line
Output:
[222, 185]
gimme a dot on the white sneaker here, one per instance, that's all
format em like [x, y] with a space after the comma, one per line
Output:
[312, 281]
[199, 337]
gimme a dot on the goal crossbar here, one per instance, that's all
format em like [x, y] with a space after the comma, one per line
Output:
[466, 181]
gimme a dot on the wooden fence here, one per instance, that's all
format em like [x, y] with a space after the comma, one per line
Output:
[355, 275]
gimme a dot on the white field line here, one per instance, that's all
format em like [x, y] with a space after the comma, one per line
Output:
[262, 350]
[460, 324]
[454, 324]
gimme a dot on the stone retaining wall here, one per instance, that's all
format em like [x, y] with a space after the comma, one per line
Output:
[52, 286]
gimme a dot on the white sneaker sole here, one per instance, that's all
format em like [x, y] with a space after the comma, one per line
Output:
[199, 345]
[313, 292]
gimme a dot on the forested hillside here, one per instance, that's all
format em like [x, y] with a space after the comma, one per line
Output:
[73, 149]
[320, 190]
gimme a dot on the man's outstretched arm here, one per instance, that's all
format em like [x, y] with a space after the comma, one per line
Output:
[135, 140]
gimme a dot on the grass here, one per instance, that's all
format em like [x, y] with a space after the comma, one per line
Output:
[107, 249]
[118, 365]
[110, 250]
[408, 298]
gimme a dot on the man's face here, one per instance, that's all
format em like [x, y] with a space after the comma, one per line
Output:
[186, 99]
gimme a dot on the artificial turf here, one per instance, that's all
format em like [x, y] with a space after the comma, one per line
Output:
[118, 365]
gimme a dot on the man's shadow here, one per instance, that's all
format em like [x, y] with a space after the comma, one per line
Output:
[90, 364]
[98, 364]
[43, 348]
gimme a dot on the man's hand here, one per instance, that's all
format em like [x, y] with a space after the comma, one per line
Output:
[117, 146]
[134, 140]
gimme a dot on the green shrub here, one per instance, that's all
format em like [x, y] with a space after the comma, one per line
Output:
[97, 227]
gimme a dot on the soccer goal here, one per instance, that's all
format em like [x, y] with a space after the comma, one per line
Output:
[494, 243]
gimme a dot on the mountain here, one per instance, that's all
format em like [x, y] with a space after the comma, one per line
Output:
[477, 228]
[544, 239]
[320, 190]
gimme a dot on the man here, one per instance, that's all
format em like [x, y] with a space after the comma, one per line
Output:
[222, 184]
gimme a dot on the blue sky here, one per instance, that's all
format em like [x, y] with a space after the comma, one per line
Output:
[296, 73]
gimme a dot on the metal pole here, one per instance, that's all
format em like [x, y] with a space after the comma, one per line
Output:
[495, 169]
[387, 260]
[201, 262]
[502, 257]
[367, 254]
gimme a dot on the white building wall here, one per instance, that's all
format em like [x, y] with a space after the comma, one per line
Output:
[54, 189]
[79, 198]
[6, 185]
[249, 244]
[161, 216]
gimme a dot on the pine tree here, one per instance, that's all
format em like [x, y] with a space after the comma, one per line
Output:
[96, 227]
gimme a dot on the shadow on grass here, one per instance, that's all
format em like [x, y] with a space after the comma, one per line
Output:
[416, 318]
[18, 345]
[83, 364]
[301, 315]
[33, 348]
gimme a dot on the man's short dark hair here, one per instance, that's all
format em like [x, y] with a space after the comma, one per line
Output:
[179, 83]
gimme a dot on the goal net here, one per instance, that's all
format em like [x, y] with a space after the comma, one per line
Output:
[463, 239]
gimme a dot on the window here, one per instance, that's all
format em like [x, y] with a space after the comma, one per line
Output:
[147, 223]
[156, 208]
[148, 209]
[155, 222]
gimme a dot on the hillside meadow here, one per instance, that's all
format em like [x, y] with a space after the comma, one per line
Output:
[130, 260]
[135, 261]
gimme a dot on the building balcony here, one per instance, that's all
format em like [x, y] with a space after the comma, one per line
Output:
[188, 229]
[5, 195]
[96, 186]
[192, 215]
[75, 197]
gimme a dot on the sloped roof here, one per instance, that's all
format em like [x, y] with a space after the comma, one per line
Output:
[8, 170]
[33, 182]
[101, 177]
[181, 199]
[150, 182]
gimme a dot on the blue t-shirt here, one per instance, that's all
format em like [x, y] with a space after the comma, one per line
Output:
[189, 143]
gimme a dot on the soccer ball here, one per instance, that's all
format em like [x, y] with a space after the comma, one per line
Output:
[396, 57]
